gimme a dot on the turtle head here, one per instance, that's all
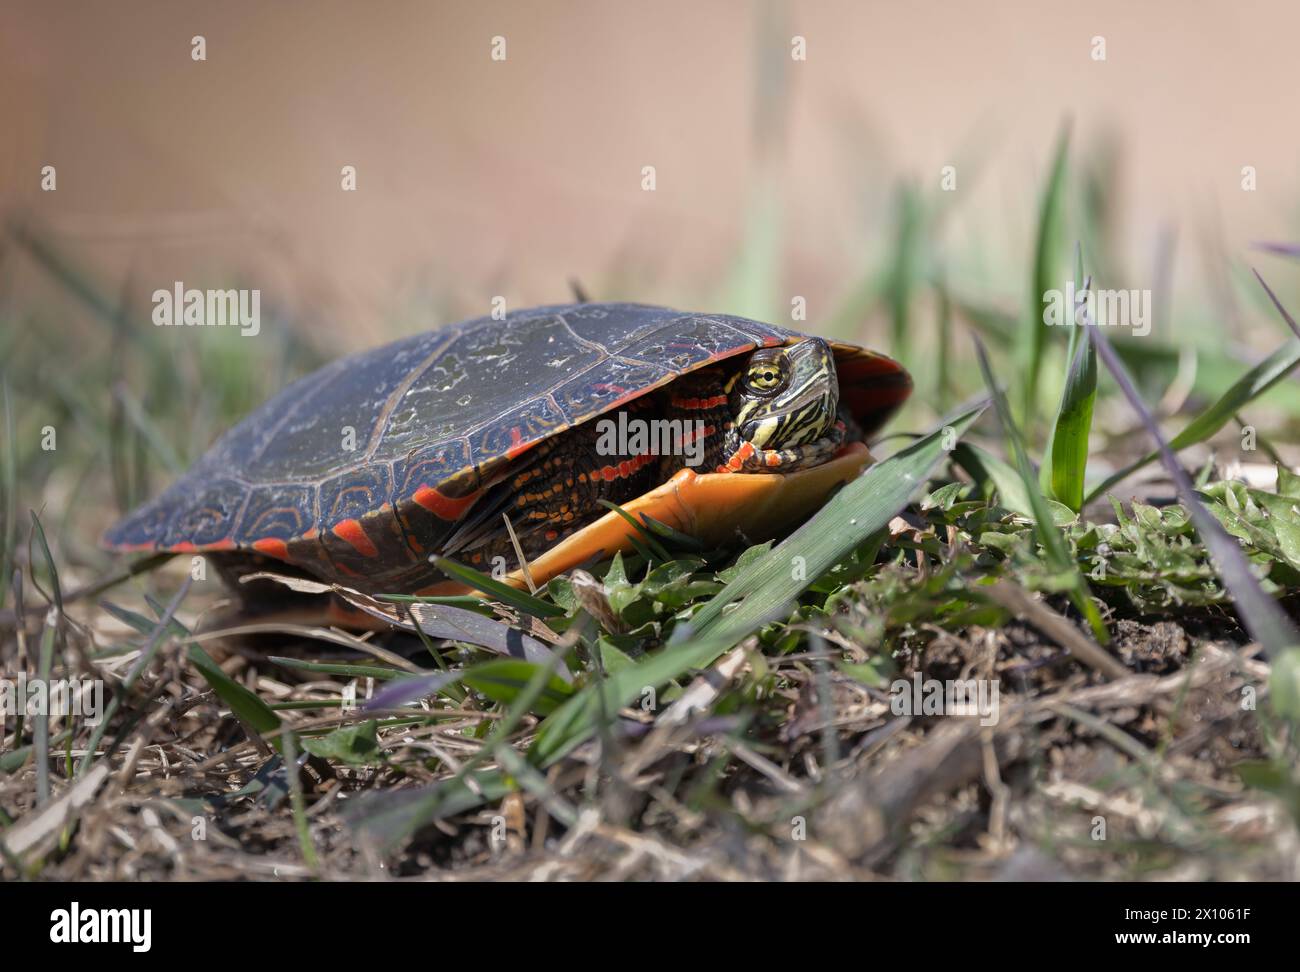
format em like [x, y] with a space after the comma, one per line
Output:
[784, 403]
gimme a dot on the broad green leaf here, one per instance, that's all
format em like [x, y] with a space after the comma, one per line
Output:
[1288, 483]
[355, 745]
[1284, 517]
[982, 464]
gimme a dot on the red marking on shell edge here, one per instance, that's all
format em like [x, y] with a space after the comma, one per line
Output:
[272, 547]
[226, 544]
[443, 506]
[183, 547]
[517, 443]
[352, 533]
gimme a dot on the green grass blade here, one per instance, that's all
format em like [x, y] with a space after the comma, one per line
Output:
[643, 540]
[500, 590]
[505, 679]
[1048, 534]
[337, 668]
[1068, 456]
[1033, 334]
[904, 268]
[38, 532]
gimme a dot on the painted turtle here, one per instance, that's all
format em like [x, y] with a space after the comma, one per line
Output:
[360, 472]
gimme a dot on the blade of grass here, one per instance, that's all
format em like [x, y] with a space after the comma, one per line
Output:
[1281, 249]
[651, 545]
[498, 589]
[1290, 321]
[944, 392]
[1247, 388]
[982, 464]
[41, 729]
[1068, 449]
[51, 636]
[149, 431]
[1058, 553]
[56, 595]
[301, 826]
[505, 679]
[337, 668]
[1260, 614]
[905, 266]
[1033, 334]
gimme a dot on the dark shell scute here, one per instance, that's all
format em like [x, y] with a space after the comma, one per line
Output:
[354, 493]
[277, 513]
[615, 325]
[208, 516]
[528, 423]
[608, 382]
[332, 425]
[429, 467]
[144, 526]
[689, 342]
[483, 375]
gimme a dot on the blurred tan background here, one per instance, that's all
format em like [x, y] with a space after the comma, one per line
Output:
[478, 177]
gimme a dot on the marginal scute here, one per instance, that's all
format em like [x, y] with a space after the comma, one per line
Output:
[208, 516]
[528, 423]
[144, 527]
[278, 512]
[431, 466]
[354, 493]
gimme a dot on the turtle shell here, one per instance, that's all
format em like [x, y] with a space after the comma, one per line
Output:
[360, 469]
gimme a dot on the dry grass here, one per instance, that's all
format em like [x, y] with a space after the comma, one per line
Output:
[822, 783]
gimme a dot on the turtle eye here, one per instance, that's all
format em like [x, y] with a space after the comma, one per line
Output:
[764, 377]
